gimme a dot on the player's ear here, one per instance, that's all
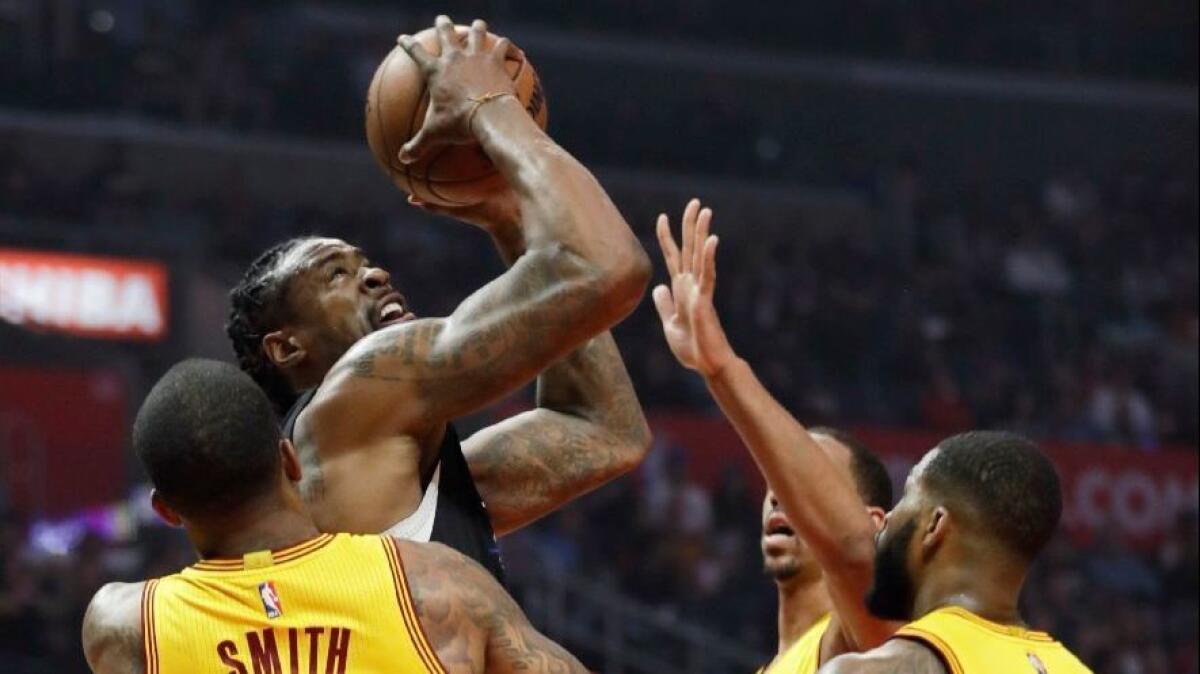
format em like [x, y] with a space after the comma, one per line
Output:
[291, 461]
[936, 527]
[164, 511]
[878, 516]
[283, 349]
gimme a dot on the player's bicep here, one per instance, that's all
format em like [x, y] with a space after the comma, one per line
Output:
[496, 341]
[898, 656]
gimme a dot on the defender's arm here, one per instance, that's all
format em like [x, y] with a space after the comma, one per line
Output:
[112, 630]
[820, 503]
[470, 620]
[898, 656]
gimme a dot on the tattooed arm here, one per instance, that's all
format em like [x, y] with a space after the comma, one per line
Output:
[588, 429]
[112, 630]
[898, 656]
[471, 622]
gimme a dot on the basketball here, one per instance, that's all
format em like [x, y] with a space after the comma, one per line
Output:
[455, 175]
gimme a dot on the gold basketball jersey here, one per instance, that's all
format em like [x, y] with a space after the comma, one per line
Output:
[804, 656]
[335, 604]
[971, 645]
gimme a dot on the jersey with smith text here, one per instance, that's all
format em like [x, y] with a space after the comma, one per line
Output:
[338, 604]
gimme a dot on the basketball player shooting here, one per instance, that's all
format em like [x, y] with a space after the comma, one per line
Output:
[271, 593]
[372, 389]
[833, 491]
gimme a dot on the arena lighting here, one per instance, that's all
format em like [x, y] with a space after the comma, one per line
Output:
[84, 295]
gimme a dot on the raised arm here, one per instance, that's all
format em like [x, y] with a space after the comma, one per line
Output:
[898, 656]
[819, 501]
[472, 623]
[583, 271]
[112, 630]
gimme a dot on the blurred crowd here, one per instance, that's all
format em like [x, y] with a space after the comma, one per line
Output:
[688, 552]
[303, 69]
[1069, 311]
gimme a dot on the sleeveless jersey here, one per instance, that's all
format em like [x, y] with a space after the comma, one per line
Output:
[461, 519]
[338, 604]
[804, 656]
[969, 644]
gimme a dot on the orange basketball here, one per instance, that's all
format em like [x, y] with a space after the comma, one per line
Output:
[455, 175]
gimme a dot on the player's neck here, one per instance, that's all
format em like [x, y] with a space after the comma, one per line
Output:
[259, 528]
[801, 604]
[990, 591]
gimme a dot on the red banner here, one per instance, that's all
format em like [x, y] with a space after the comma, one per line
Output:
[62, 438]
[1139, 494]
[84, 295]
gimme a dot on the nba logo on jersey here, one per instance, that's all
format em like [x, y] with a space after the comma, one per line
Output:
[1037, 663]
[270, 599]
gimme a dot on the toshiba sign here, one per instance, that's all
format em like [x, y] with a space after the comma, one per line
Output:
[84, 295]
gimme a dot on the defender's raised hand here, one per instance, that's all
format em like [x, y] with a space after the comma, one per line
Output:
[689, 319]
[460, 78]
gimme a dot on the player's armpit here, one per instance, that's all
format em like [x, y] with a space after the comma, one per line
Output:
[112, 630]
[416, 375]
[898, 656]
[589, 429]
[470, 619]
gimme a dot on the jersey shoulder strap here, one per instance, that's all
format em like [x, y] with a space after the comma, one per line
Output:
[462, 520]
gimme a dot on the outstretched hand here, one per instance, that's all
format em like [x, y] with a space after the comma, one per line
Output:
[459, 79]
[689, 319]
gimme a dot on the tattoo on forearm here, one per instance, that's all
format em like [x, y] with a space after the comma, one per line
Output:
[464, 612]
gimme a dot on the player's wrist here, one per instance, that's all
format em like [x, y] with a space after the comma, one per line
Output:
[723, 367]
[500, 116]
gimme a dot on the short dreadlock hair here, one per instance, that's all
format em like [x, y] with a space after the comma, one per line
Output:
[258, 305]
[1006, 480]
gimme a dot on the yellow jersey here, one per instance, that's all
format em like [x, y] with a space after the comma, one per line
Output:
[334, 604]
[804, 656]
[969, 644]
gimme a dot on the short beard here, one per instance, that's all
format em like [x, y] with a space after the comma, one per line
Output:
[782, 572]
[892, 594]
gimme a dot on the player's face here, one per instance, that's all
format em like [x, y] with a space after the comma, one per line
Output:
[785, 557]
[337, 297]
[893, 593]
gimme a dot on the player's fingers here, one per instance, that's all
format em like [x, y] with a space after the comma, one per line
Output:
[701, 238]
[688, 234]
[708, 273]
[666, 242]
[663, 302]
[416, 52]
[414, 148]
[476, 35]
[447, 35]
[503, 49]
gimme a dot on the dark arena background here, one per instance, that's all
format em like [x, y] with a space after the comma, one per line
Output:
[935, 216]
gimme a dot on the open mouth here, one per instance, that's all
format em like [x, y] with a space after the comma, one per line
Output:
[393, 311]
[777, 525]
